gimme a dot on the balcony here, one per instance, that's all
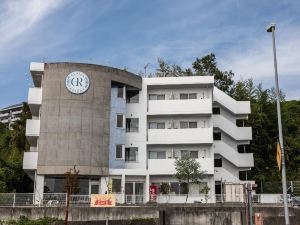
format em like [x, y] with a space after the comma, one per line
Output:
[30, 160]
[172, 107]
[32, 131]
[231, 154]
[166, 166]
[180, 136]
[34, 100]
[237, 133]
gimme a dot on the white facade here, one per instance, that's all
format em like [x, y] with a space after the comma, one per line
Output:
[168, 117]
[158, 148]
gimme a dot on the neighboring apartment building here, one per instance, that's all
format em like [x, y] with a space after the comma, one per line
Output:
[10, 114]
[123, 132]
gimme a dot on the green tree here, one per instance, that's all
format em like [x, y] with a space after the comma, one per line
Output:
[207, 65]
[188, 171]
[13, 143]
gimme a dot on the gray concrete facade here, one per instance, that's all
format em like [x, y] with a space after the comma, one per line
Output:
[75, 129]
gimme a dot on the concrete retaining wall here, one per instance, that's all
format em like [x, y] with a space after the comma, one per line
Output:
[185, 214]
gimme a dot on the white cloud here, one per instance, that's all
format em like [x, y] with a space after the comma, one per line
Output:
[255, 59]
[19, 16]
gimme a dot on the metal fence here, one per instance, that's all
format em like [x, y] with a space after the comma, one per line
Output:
[59, 199]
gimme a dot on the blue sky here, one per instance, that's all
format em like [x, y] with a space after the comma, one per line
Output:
[133, 33]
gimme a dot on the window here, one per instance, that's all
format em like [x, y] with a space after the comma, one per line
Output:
[157, 155]
[243, 148]
[184, 96]
[179, 188]
[216, 110]
[116, 185]
[217, 136]
[155, 125]
[120, 92]
[188, 124]
[132, 96]
[131, 154]
[132, 125]
[192, 154]
[218, 162]
[119, 151]
[120, 120]
[156, 97]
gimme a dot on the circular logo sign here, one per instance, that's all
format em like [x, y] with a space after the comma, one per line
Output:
[77, 82]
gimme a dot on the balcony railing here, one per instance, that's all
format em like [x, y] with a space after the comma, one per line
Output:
[167, 166]
[191, 106]
[180, 136]
[30, 160]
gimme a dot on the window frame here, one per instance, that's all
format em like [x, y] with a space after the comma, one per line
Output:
[123, 120]
[122, 151]
[136, 155]
[123, 92]
[131, 129]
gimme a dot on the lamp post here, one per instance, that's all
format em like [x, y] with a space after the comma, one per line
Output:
[271, 28]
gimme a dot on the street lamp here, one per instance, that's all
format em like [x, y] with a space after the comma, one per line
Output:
[271, 28]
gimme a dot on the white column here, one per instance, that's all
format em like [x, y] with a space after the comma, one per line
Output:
[123, 188]
[39, 189]
[147, 184]
[103, 185]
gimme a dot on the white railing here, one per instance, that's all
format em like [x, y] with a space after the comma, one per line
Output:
[220, 198]
[183, 198]
[134, 199]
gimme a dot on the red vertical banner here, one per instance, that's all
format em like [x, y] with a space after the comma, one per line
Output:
[153, 193]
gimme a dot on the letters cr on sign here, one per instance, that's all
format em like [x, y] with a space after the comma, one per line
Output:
[77, 82]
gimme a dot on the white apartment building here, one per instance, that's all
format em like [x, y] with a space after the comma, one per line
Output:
[134, 134]
[10, 114]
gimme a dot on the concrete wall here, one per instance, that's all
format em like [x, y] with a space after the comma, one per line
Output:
[75, 128]
[184, 214]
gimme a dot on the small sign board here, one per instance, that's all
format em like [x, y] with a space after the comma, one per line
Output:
[103, 200]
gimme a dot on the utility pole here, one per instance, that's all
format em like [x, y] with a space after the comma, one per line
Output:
[271, 28]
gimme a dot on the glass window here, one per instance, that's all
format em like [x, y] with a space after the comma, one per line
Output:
[95, 189]
[120, 119]
[129, 188]
[161, 155]
[157, 155]
[116, 185]
[120, 92]
[188, 124]
[152, 155]
[183, 188]
[119, 151]
[184, 124]
[218, 162]
[132, 125]
[152, 97]
[193, 124]
[216, 110]
[154, 125]
[132, 96]
[192, 96]
[194, 154]
[131, 154]
[156, 97]
[184, 96]
[160, 97]
[174, 188]
[217, 136]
